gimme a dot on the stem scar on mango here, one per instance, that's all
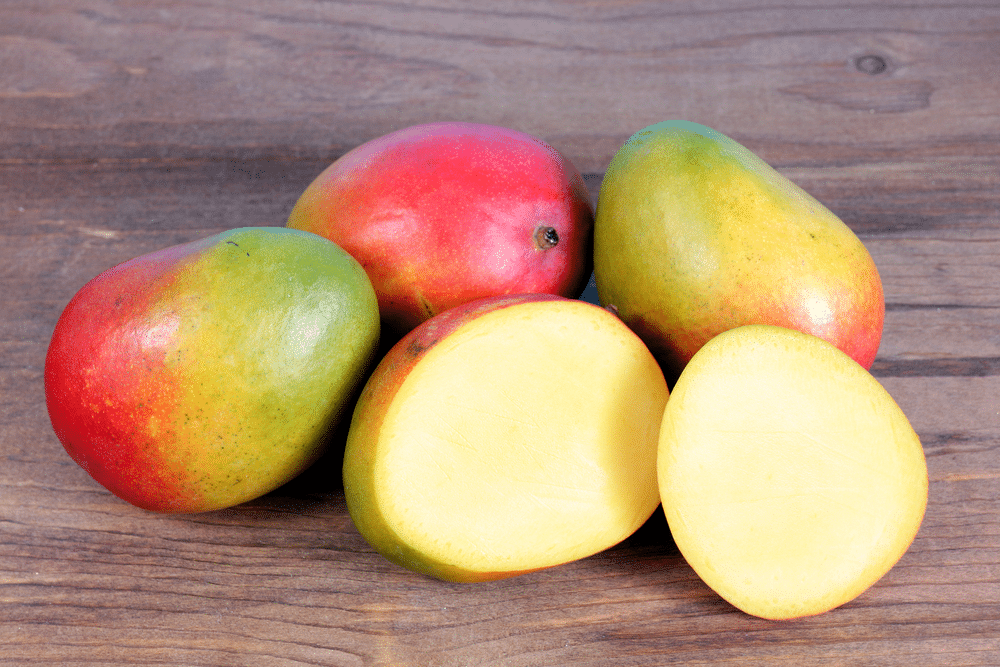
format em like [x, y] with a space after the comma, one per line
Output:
[546, 237]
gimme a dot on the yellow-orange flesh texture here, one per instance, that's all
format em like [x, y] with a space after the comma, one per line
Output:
[790, 478]
[524, 439]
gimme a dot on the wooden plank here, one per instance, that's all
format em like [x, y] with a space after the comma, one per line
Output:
[287, 564]
[802, 81]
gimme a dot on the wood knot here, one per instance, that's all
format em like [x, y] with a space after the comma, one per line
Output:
[871, 64]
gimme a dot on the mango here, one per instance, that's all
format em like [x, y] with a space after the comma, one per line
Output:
[790, 478]
[695, 235]
[209, 373]
[506, 435]
[444, 213]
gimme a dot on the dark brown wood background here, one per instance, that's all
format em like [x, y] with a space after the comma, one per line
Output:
[127, 126]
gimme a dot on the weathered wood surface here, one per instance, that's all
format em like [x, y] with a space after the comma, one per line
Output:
[129, 126]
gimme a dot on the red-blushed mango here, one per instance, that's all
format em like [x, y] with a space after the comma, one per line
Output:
[695, 235]
[445, 213]
[790, 478]
[506, 435]
[209, 373]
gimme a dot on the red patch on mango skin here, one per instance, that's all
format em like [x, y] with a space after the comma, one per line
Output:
[109, 396]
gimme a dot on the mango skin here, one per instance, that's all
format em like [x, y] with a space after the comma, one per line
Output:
[695, 235]
[209, 373]
[441, 214]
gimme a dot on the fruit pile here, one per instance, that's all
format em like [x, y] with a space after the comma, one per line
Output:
[503, 425]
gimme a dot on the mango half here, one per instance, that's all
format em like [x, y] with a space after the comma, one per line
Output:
[506, 435]
[790, 478]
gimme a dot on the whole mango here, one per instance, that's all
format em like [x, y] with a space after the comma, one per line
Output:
[695, 235]
[209, 373]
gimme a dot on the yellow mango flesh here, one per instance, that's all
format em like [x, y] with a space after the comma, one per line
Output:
[523, 439]
[789, 477]
[695, 235]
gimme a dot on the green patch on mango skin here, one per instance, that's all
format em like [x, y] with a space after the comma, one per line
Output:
[271, 394]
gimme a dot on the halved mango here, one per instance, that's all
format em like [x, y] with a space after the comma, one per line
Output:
[790, 478]
[506, 435]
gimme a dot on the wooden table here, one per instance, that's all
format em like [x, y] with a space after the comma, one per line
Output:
[129, 126]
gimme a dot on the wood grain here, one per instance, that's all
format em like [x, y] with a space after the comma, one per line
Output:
[174, 78]
[129, 126]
